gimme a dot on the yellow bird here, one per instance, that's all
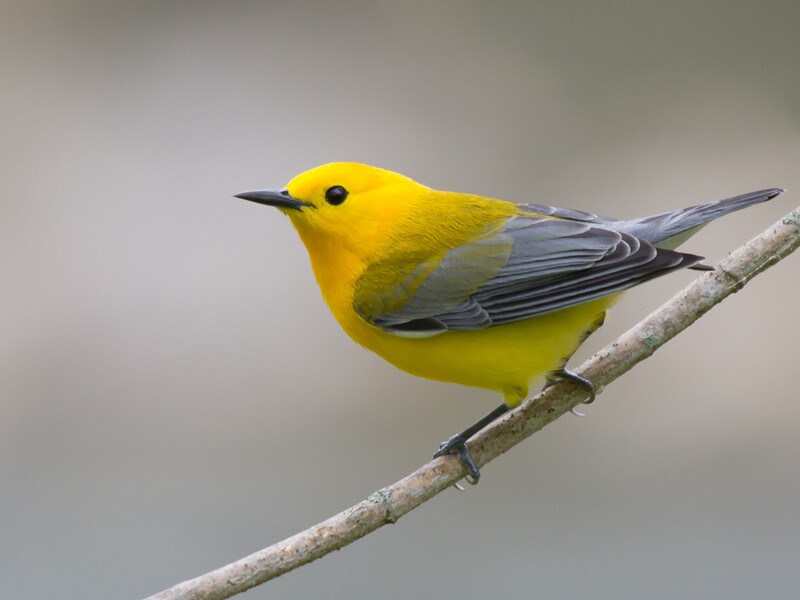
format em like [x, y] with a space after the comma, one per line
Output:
[473, 290]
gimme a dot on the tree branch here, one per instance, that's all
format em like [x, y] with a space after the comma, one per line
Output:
[388, 504]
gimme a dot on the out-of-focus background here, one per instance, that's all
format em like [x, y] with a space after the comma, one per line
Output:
[174, 394]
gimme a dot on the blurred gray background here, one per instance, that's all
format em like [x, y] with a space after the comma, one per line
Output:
[174, 394]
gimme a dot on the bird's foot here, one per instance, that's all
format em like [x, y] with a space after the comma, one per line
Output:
[457, 445]
[580, 380]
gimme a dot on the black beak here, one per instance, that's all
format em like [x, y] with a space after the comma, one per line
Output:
[279, 198]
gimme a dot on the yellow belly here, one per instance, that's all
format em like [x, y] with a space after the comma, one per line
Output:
[504, 358]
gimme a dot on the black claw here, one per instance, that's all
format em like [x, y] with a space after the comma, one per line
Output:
[458, 445]
[578, 380]
[465, 458]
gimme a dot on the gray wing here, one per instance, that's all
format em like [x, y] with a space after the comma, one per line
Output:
[530, 267]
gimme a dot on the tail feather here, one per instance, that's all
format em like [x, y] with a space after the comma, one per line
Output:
[670, 229]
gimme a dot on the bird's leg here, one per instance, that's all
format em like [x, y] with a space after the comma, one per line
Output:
[565, 373]
[458, 443]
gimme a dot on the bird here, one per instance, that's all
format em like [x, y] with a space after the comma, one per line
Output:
[474, 290]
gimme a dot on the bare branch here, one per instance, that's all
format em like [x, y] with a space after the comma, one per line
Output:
[387, 505]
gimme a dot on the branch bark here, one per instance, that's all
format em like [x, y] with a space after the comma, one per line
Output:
[388, 504]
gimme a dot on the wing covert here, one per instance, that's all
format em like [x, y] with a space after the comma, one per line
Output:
[529, 267]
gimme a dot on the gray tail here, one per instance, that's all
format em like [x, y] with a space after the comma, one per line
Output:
[670, 229]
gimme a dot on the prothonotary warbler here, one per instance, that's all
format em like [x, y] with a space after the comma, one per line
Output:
[473, 290]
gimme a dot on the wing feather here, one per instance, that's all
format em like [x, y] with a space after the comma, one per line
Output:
[529, 267]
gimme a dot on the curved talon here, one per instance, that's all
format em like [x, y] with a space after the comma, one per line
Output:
[581, 381]
[465, 458]
[575, 412]
[458, 445]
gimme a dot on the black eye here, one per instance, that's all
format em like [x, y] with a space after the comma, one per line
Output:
[335, 195]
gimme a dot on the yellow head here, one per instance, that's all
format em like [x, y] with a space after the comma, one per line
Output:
[344, 206]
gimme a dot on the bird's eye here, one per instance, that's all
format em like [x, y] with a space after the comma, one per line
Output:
[335, 195]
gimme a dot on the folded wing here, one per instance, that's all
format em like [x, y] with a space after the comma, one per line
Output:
[529, 267]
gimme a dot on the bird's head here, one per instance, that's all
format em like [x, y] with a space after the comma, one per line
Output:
[345, 205]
